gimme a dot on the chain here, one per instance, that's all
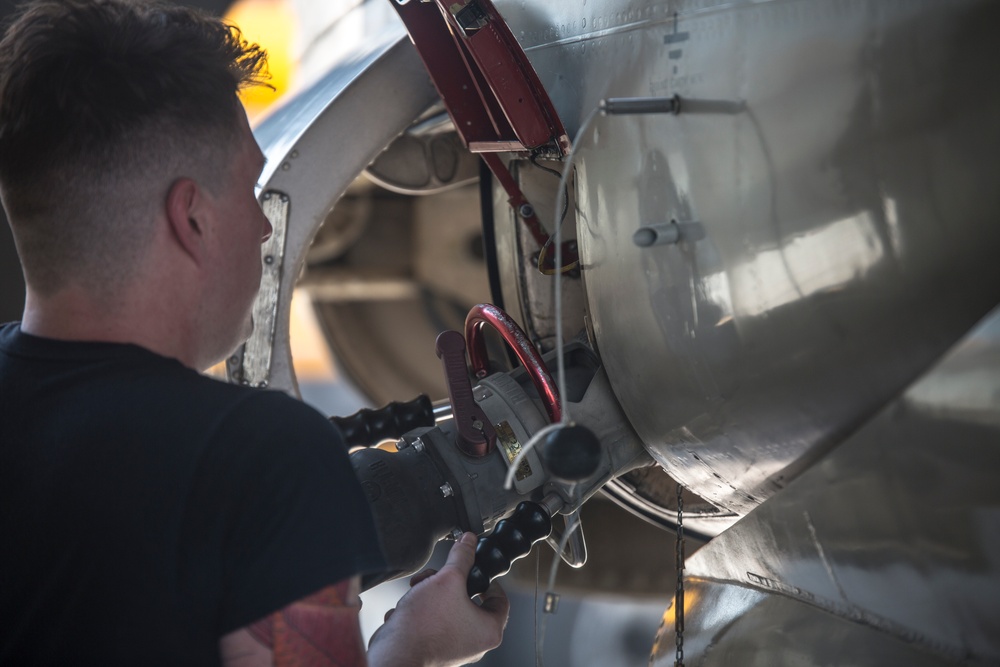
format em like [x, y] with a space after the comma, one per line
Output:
[679, 594]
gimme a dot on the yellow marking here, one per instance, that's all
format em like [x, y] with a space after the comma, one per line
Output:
[511, 448]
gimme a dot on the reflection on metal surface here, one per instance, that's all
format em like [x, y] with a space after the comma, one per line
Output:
[736, 625]
[803, 267]
[650, 493]
[252, 363]
[891, 539]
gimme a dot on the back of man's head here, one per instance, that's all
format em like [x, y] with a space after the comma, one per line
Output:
[103, 104]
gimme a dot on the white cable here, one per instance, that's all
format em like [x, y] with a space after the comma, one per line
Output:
[572, 525]
[508, 481]
[560, 200]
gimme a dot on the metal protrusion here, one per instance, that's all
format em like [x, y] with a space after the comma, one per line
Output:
[446, 490]
[476, 424]
[418, 445]
[641, 105]
[265, 196]
[284, 197]
[269, 259]
[285, 166]
[552, 503]
[662, 233]
[442, 410]
[401, 444]
[456, 534]
[293, 154]
[551, 603]
[526, 210]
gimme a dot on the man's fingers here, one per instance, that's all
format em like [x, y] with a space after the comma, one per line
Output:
[494, 600]
[462, 554]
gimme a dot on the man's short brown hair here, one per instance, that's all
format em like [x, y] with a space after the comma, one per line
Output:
[95, 97]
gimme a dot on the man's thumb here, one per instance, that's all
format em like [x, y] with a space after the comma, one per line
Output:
[463, 554]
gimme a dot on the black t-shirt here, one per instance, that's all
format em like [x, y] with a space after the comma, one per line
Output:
[146, 510]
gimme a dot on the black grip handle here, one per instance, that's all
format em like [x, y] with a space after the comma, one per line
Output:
[511, 539]
[368, 427]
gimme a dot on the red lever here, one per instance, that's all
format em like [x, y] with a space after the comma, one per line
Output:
[476, 436]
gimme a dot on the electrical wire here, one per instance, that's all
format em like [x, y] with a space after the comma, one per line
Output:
[571, 526]
[557, 284]
[544, 252]
[562, 197]
[562, 202]
[508, 481]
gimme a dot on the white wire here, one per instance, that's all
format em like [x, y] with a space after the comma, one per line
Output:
[540, 625]
[571, 526]
[560, 356]
[560, 368]
[557, 223]
[508, 481]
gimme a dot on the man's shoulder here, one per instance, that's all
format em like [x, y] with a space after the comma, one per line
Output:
[131, 390]
[261, 413]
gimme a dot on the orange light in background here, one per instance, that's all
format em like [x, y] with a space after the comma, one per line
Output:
[272, 24]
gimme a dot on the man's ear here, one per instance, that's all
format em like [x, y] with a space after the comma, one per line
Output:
[183, 208]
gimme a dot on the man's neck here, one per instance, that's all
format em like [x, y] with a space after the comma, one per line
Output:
[74, 314]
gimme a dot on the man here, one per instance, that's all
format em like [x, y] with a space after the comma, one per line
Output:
[151, 515]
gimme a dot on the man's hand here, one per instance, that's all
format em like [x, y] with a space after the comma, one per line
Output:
[436, 624]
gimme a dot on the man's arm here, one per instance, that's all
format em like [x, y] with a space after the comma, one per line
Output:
[434, 625]
[317, 631]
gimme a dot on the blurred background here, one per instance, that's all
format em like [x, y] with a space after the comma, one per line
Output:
[590, 629]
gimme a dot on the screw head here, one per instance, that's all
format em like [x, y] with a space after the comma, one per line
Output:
[446, 490]
[526, 210]
[418, 445]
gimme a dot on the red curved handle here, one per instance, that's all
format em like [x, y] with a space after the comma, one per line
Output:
[487, 313]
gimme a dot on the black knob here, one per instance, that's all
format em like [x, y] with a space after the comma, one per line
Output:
[511, 539]
[571, 453]
[368, 427]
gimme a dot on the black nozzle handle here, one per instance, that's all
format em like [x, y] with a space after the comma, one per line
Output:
[368, 427]
[511, 539]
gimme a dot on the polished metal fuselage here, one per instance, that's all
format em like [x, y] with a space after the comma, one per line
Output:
[832, 173]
